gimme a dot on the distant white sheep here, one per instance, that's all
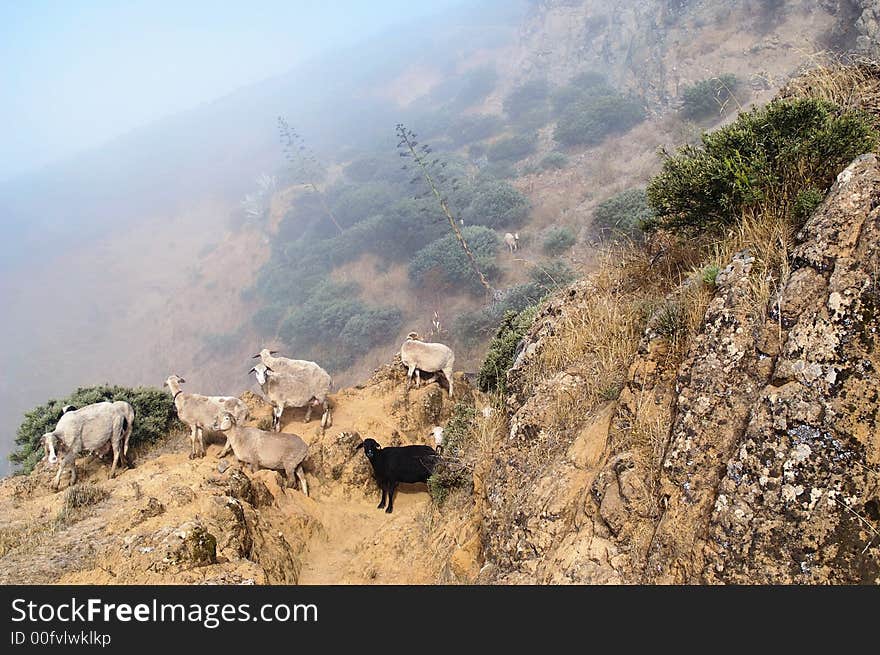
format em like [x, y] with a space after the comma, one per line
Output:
[417, 356]
[200, 412]
[512, 241]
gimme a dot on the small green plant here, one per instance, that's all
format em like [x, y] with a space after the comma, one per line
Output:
[708, 97]
[805, 203]
[670, 321]
[558, 240]
[527, 100]
[454, 470]
[764, 159]
[502, 348]
[496, 204]
[709, 274]
[624, 214]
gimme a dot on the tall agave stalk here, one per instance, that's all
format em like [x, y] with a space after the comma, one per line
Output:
[409, 147]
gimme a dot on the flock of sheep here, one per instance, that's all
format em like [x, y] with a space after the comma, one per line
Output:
[105, 426]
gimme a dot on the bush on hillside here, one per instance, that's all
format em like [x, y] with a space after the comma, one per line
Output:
[554, 161]
[370, 328]
[355, 202]
[444, 262]
[590, 120]
[502, 349]
[624, 214]
[769, 154]
[468, 129]
[558, 240]
[580, 88]
[154, 413]
[527, 99]
[512, 148]
[496, 204]
[452, 471]
[708, 97]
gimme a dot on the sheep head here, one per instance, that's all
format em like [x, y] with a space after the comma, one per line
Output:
[370, 446]
[261, 371]
[50, 444]
[225, 422]
[413, 336]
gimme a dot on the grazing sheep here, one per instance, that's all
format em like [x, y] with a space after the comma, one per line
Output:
[265, 450]
[397, 464]
[199, 412]
[90, 428]
[305, 388]
[512, 241]
[417, 356]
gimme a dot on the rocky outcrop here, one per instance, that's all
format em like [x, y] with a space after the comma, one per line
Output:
[754, 458]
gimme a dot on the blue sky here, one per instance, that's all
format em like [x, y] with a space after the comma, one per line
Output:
[74, 74]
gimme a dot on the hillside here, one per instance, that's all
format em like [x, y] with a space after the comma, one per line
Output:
[677, 375]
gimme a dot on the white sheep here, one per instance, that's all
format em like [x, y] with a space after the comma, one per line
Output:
[293, 366]
[90, 428]
[265, 450]
[200, 412]
[512, 241]
[303, 388]
[417, 356]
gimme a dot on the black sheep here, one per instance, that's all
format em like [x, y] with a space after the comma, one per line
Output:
[398, 464]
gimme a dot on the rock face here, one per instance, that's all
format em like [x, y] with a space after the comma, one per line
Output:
[754, 459]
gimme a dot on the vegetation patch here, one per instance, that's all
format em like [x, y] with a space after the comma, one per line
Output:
[154, 413]
[454, 470]
[502, 349]
[708, 97]
[763, 160]
[558, 240]
[624, 214]
[590, 120]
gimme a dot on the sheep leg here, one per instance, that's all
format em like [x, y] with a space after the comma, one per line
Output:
[201, 442]
[57, 481]
[392, 486]
[192, 440]
[225, 450]
[301, 476]
[116, 455]
[381, 504]
[277, 412]
[418, 379]
[308, 411]
[409, 375]
[447, 372]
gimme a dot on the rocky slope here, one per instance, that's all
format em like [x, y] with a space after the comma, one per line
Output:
[763, 460]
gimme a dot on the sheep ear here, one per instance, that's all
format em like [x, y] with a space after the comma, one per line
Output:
[273, 352]
[360, 445]
[253, 370]
[257, 356]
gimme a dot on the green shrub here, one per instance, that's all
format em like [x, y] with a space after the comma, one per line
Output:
[768, 155]
[551, 274]
[454, 471]
[496, 204]
[468, 129]
[527, 99]
[623, 214]
[512, 148]
[554, 161]
[558, 240]
[709, 275]
[322, 316]
[154, 417]
[588, 121]
[355, 202]
[502, 348]
[370, 328]
[805, 202]
[708, 97]
[581, 87]
[444, 261]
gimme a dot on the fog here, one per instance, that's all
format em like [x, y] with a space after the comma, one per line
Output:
[130, 136]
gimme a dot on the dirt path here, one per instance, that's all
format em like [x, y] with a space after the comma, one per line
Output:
[357, 538]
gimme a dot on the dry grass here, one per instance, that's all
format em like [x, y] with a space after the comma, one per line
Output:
[851, 81]
[76, 499]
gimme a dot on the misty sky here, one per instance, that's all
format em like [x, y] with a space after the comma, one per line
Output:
[74, 74]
